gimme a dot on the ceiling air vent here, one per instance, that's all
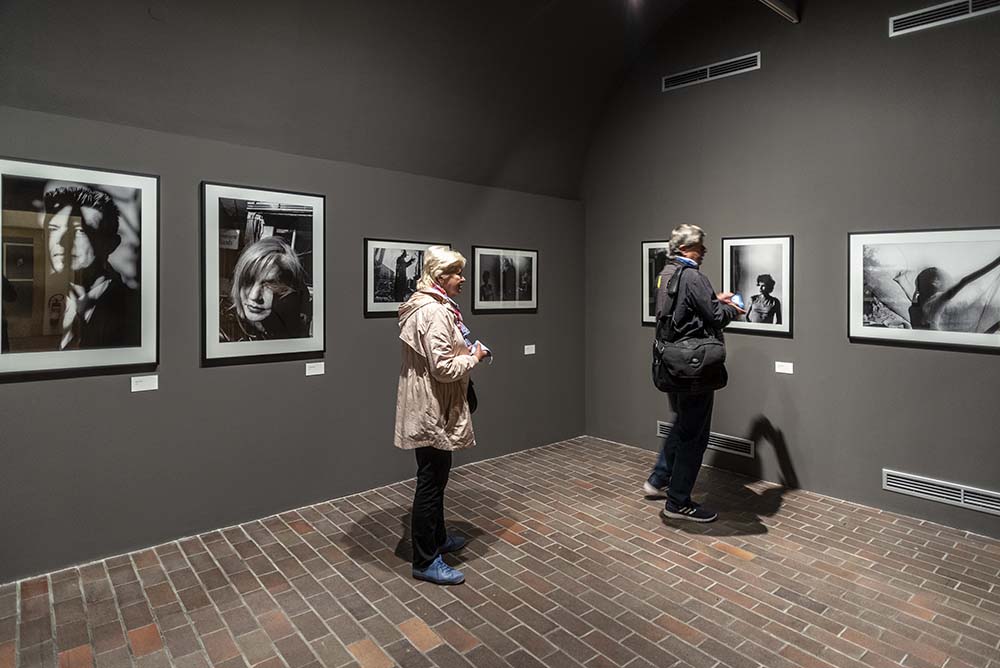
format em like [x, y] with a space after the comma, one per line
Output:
[720, 442]
[726, 68]
[985, 6]
[941, 491]
[938, 15]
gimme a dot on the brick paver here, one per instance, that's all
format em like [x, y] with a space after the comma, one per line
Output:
[567, 565]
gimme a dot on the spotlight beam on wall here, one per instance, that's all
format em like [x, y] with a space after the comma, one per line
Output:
[786, 8]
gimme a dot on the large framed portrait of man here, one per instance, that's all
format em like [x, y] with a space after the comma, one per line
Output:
[759, 270]
[654, 259]
[79, 265]
[392, 269]
[263, 274]
[505, 280]
[934, 288]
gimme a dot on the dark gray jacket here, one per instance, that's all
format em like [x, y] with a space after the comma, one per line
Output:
[699, 312]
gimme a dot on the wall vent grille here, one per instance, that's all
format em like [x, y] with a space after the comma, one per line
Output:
[719, 442]
[931, 17]
[720, 70]
[984, 6]
[941, 491]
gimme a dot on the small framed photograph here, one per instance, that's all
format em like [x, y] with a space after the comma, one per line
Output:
[505, 280]
[654, 258]
[263, 274]
[937, 288]
[80, 263]
[759, 270]
[392, 269]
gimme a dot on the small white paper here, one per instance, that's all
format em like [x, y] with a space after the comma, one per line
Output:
[529, 349]
[315, 368]
[145, 383]
[784, 367]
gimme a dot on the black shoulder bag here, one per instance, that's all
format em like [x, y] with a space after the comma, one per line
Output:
[689, 364]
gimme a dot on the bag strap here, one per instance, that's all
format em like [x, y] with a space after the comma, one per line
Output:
[673, 287]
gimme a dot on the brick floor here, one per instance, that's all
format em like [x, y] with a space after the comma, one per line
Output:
[567, 565]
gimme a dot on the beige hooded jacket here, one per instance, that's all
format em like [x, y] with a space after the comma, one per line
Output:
[431, 404]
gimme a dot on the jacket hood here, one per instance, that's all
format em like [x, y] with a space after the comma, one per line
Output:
[417, 301]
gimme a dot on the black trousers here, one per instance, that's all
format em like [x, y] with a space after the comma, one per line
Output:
[680, 458]
[427, 519]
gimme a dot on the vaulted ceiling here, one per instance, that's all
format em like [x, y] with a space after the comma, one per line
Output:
[503, 93]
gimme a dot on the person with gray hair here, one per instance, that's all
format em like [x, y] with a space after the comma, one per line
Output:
[433, 417]
[699, 312]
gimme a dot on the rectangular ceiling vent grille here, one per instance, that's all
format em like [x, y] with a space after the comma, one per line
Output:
[984, 6]
[941, 491]
[725, 68]
[719, 442]
[938, 15]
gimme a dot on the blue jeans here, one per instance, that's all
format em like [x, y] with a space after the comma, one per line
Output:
[680, 457]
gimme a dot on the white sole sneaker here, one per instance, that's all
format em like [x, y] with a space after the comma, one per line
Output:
[653, 493]
[690, 514]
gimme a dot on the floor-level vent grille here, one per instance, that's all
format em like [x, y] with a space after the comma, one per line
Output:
[719, 442]
[720, 70]
[938, 15]
[941, 491]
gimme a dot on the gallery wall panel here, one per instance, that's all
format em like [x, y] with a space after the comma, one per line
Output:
[842, 131]
[91, 469]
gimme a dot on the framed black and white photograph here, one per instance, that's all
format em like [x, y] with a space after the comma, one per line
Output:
[936, 288]
[505, 280]
[263, 274]
[79, 269]
[392, 269]
[654, 258]
[759, 270]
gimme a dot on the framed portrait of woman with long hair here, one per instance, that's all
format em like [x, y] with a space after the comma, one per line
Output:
[262, 274]
[933, 288]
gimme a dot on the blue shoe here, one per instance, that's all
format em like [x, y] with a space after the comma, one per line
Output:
[439, 573]
[453, 544]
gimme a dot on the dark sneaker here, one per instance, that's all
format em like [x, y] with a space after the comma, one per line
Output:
[439, 573]
[692, 512]
[453, 544]
[652, 492]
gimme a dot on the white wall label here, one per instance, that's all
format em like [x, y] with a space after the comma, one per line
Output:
[315, 368]
[145, 383]
[529, 349]
[783, 367]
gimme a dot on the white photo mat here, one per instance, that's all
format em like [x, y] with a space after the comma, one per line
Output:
[214, 349]
[514, 255]
[774, 257]
[373, 307]
[969, 260]
[146, 352]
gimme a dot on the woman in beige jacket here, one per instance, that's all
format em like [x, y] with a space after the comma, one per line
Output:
[432, 409]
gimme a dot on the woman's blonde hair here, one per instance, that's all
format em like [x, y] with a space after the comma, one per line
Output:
[438, 261]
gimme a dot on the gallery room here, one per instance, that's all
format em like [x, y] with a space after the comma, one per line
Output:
[540, 333]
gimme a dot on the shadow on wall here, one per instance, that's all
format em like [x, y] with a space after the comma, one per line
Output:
[742, 504]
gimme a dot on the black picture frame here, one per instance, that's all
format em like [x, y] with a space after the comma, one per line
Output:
[135, 273]
[373, 306]
[737, 251]
[653, 260]
[891, 272]
[518, 258]
[214, 318]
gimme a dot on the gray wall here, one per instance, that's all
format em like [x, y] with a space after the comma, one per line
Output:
[842, 130]
[89, 469]
[497, 93]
